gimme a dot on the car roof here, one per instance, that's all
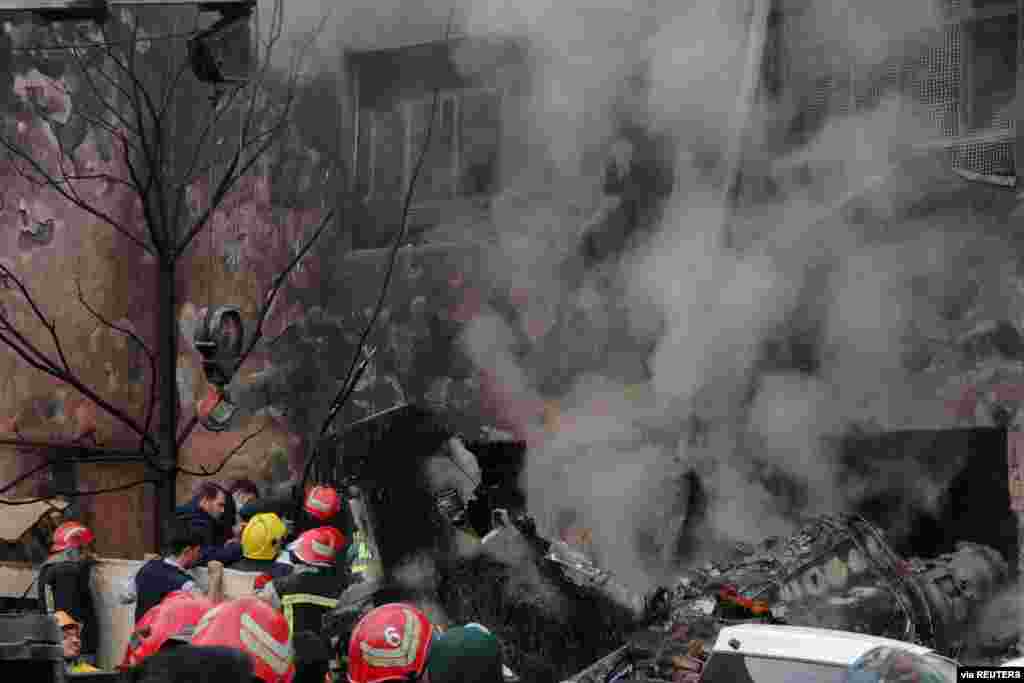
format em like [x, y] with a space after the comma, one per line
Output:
[827, 646]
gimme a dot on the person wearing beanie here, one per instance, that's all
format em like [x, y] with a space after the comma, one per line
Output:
[466, 654]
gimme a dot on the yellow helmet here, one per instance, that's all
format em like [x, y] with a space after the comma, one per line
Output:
[263, 536]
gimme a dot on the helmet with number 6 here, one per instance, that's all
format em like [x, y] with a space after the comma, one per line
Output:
[254, 627]
[390, 643]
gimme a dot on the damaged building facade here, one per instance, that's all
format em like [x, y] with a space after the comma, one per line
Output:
[482, 193]
[959, 366]
[505, 245]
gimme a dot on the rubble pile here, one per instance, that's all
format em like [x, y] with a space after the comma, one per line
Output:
[835, 572]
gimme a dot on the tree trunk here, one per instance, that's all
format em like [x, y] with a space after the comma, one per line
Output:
[167, 360]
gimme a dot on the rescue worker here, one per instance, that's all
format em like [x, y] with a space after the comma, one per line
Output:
[312, 589]
[312, 657]
[262, 543]
[72, 640]
[63, 581]
[194, 665]
[255, 628]
[167, 625]
[321, 506]
[361, 562]
[159, 578]
[397, 641]
[243, 492]
[206, 513]
[467, 654]
[391, 642]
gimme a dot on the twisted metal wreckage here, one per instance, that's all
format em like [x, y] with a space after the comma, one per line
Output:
[836, 572]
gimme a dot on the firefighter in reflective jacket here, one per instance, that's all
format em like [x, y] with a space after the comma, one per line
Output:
[360, 558]
[312, 589]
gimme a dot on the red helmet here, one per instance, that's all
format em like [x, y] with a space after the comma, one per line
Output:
[317, 547]
[390, 643]
[338, 539]
[254, 627]
[71, 535]
[323, 502]
[260, 581]
[176, 616]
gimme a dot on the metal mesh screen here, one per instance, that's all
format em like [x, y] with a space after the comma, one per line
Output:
[980, 140]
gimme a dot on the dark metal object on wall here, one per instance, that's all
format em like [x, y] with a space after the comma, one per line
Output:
[219, 340]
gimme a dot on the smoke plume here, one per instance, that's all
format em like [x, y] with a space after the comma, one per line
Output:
[706, 304]
[830, 259]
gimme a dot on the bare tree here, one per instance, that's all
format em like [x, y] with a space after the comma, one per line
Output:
[178, 141]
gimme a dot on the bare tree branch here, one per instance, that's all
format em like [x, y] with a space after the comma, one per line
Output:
[58, 187]
[102, 320]
[236, 167]
[149, 162]
[79, 494]
[348, 385]
[150, 355]
[87, 74]
[58, 369]
[233, 452]
[22, 477]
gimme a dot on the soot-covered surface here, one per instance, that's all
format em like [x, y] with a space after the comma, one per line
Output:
[974, 505]
[550, 628]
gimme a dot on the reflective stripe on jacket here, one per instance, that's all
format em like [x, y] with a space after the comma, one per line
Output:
[306, 596]
[290, 602]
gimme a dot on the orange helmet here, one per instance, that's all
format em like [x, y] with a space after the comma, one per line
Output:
[71, 535]
[390, 643]
[175, 617]
[317, 547]
[254, 627]
[323, 502]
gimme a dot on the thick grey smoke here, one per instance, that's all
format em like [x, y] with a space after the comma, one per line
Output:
[715, 306]
[705, 309]
[357, 25]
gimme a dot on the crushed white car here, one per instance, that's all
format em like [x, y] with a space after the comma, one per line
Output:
[760, 653]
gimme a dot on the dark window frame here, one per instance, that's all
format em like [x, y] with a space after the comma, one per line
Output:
[405, 108]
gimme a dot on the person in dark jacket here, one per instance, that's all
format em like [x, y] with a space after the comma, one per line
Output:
[157, 578]
[194, 664]
[243, 492]
[320, 506]
[312, 657]
[63, 582]
[208, 514]
[312, 589]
